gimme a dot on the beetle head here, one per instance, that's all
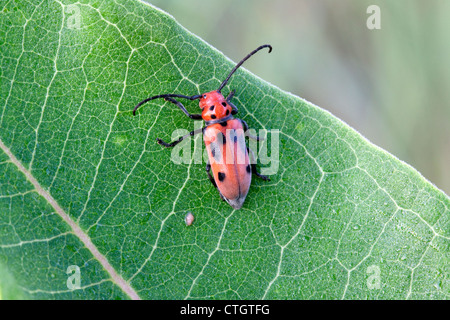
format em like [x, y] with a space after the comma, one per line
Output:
[214, 106]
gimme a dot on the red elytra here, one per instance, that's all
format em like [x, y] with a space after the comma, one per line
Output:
[224, 137]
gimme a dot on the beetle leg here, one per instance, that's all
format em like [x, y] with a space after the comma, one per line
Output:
[174, 143]
[254, 170]
[211, 178]
[265, 178]
[233, 107]
[230, 96]
[180, 105]
[168, 95]
[255, 138]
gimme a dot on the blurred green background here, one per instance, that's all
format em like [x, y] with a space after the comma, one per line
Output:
[392, 85]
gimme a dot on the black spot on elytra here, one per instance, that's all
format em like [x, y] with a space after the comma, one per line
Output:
[221, 176]
[213, 116]
[224, 104]
[221, 138]
[249, 170]
[211, 108]
[228, 112]
[215, 152]
[223, 124]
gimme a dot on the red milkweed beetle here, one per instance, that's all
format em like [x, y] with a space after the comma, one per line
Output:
[233, 177]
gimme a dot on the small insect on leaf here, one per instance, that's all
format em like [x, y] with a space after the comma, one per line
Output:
[232, 180]
[189, 218]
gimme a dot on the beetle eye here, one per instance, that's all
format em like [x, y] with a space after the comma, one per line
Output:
[204, 96]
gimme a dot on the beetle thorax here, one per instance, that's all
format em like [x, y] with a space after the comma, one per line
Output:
[214, 106]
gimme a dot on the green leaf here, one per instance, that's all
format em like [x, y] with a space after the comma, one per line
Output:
[84, 184]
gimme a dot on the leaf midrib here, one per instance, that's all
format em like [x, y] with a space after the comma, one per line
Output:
[76, 230]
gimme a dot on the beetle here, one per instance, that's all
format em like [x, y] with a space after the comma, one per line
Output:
[224, 137]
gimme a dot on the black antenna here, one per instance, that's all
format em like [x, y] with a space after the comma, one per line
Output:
[241, 62]
[170, 95]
